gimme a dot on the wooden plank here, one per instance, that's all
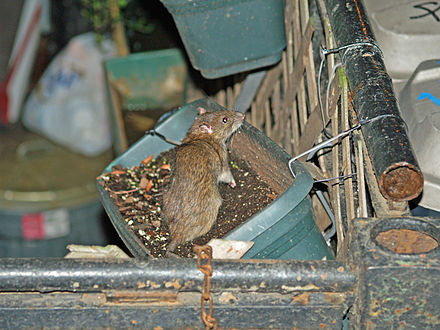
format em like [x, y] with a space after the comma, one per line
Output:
[276, 109]
[221, 97]
[362, 191]
[298, 70]
[322, 219]
[266, 89]
[292, 75]
[288, 142]
[362, 209]
[346, 154]
[268, 119]
[295, 126]
[288, 12]
[296, 24]
[289, 102]
[336, 202]
[253, 115]
[230, 99]
[299, 81]
[310, 67]
[238, 83]
[117, 100]
[284, 107]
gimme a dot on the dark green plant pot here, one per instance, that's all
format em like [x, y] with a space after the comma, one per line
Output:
[224, 37]
[285, 229]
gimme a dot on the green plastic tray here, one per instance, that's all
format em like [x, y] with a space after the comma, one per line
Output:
[152, 82]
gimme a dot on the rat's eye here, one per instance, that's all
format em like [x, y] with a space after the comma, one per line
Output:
[225, 120]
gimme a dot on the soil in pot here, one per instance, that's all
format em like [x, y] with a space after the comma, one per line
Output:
[137, 192]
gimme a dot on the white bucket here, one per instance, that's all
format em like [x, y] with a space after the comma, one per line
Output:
[420, 106]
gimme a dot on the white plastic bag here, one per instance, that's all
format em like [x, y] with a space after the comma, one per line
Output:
[68, 104]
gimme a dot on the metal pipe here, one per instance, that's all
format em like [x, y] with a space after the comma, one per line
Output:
[397, 171]
[78, 275]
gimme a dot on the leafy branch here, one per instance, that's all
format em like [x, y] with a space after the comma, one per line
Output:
[100, 15]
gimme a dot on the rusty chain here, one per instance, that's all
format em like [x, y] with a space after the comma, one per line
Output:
[205, 253]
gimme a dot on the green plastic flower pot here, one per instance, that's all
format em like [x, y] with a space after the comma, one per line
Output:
[285, 229]
[224, 37]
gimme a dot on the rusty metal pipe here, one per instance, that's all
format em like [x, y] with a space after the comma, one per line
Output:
[77, 275]
[397, 171]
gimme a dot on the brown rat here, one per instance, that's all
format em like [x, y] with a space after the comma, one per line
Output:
[191, 204]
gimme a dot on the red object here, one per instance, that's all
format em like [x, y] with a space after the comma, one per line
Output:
[3, 103]
[32, 225]
[15, 63]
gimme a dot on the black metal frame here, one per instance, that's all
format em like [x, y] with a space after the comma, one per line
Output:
[147, 293]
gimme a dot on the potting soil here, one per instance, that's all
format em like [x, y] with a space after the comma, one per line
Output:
[137, 192]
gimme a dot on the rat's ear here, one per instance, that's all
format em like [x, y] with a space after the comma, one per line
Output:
[205, 128]
[201, 110]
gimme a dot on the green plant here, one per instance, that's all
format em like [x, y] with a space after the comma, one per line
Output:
[102, 19]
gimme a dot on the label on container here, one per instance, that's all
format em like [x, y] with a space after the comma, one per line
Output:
[45, 225]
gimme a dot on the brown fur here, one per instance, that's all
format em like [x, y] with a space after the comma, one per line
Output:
[191, 204]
